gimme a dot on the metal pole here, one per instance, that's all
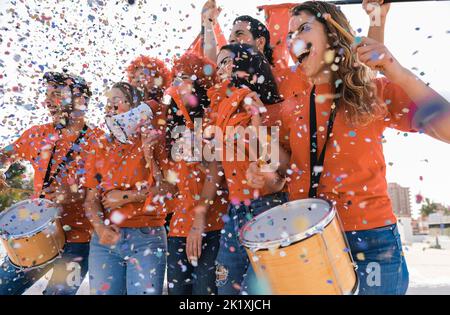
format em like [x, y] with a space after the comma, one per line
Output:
[340, 2]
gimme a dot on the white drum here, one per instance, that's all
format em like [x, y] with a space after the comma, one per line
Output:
[31, 233]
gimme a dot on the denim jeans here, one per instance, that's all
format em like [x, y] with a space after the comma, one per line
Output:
[134, 266]
[381, 264]
[185, 279]
[234, 273]
[68, 273]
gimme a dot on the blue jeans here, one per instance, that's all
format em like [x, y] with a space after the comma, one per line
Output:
[134, 266]
[381, 264]
[234, 273]
[69, 271]
[183, 278]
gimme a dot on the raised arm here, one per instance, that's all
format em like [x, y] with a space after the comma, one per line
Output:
[209, 192]
[377, 11]
[210, 13]
[432, 115]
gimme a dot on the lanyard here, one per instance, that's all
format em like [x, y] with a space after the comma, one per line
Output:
[48, 179]
[317, 162]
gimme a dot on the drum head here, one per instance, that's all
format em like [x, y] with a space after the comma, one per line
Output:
[288, 223]
[27, 217]
[115, 128]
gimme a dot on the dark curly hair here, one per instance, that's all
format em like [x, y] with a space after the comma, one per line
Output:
[246, 58]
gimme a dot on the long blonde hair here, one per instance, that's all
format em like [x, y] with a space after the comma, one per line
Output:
[359, 93]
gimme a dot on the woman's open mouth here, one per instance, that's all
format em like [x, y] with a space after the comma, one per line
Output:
[303, 55]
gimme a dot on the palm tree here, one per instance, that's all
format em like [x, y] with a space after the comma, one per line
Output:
[428, 208]
[15, 180]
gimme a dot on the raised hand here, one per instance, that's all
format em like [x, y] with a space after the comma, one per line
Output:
[376, 56]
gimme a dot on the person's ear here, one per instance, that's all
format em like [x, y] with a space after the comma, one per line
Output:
[260, 44]
[80, 103]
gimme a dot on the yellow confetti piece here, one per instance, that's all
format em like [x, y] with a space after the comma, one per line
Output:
[24, 214]
[74, 188]
[158, 81]
[329, 56]
[260, 163]
[35, 216]
[360, 256]
[172, 177]
[301, 224]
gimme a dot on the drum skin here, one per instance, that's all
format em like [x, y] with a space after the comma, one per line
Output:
[38, 249]
[306, 267]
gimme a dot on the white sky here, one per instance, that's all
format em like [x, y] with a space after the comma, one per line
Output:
[417, 33]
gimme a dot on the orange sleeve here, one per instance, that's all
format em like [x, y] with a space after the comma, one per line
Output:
[24, 146]
[400, 107]
[228, 115]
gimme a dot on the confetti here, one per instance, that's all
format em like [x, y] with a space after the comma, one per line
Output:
[301, 224]
[360, 256]
[117, 217]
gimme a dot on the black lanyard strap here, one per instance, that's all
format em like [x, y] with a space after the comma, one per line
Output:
[316, 163]
[48, 179]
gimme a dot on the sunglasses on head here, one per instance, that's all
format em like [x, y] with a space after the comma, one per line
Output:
[70, 80]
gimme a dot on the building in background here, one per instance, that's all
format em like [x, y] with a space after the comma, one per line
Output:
[439, 222]
[401, 199]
